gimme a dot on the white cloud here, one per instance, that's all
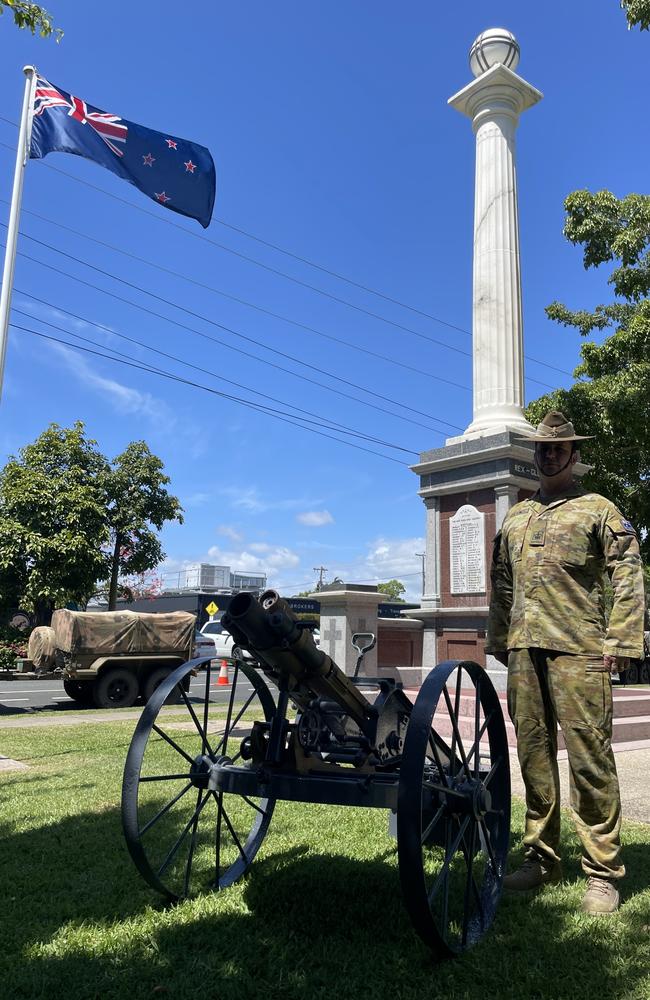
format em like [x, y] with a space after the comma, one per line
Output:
[394, 556]
[248, 498]
[197, 499]
[315, 518]
[258, 557]
[50, 314]
[385, 559]
[123, 398]
[229, 532]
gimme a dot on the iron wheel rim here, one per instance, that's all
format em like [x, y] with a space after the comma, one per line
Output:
[453, 815]
[205, 813]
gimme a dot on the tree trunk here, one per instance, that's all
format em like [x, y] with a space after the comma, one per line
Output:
[115, 569]
[43, 611]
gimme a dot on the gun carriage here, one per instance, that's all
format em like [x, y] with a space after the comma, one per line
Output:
[199, 791]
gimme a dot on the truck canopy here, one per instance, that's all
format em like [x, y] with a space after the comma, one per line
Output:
[41, 648]
[111, 632]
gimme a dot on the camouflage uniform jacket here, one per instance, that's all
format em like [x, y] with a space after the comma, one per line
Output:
[549, 565]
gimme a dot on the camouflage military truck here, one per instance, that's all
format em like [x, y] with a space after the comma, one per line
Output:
[112, 658]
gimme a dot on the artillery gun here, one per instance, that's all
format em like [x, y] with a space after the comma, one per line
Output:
[199, 789]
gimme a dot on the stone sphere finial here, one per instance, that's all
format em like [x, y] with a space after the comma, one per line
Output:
[496, 45]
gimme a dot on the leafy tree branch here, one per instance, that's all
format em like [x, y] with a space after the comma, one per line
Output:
[32, 16]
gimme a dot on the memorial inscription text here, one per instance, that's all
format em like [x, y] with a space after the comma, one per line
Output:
[467, 551]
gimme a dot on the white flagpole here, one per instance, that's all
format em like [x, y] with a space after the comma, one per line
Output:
[22, 155]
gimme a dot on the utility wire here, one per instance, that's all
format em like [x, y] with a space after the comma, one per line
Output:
[172, 357]
[246, 302]
[221, 326]
[271, 364]
[190, 312]
[215, 392]
[276, 271]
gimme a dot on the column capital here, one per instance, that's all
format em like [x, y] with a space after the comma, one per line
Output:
[499, 91]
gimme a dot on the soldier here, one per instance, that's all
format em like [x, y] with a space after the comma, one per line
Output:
[547, 624]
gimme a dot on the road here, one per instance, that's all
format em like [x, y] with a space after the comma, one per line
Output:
[24, 695]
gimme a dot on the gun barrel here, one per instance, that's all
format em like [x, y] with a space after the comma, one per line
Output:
[271, 630]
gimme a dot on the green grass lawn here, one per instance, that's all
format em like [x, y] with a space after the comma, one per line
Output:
[318, 916]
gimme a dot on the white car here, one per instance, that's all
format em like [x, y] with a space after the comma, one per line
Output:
[222, 640]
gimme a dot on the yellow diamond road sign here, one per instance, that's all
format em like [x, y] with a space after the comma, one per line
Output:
[212, 608]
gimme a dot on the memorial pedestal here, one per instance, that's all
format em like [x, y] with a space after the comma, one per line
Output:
[344, 611]
[467, 488]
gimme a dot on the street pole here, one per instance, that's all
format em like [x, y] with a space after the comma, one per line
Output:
[421, 555]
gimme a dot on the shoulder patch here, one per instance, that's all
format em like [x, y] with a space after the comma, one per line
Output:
[621, 526]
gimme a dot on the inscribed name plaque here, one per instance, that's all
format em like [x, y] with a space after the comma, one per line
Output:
[467, 551]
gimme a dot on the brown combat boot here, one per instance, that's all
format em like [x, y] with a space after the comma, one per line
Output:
[533, 873]
[601, 896]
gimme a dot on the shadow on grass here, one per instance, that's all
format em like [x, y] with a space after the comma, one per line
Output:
[84, 925]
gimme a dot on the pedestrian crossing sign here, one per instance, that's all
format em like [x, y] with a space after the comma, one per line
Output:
[212, 608]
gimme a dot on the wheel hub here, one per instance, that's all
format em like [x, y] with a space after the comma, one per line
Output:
[204, 770]
[476, 800]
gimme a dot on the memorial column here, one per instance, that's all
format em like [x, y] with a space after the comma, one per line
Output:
[493, 102]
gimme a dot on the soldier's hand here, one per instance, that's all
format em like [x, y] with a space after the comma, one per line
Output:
[616, 664]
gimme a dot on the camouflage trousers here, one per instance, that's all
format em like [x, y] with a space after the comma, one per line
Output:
[546, 688]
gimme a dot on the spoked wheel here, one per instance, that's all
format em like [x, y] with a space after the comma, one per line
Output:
[184, 836]
[453, 813]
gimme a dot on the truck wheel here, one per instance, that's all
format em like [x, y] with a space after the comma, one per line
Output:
[155, 678]
[80, 691]
[116, 688]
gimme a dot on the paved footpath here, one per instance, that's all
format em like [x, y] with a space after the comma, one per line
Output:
[633, 767]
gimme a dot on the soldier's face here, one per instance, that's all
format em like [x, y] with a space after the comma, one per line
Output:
[555, 458]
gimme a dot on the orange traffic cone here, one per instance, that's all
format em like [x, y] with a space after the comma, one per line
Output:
[223, 673]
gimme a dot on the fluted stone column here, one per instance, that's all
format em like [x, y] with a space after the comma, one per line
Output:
[493, 102]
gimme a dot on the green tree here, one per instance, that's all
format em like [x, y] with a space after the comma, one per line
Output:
[32, 16]
[52, 521]
[137, 503]
[637, 12]
[610, 398]
[393, 590]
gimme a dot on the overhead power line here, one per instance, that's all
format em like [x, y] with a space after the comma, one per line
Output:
[246, 302]
[283, 274]
[215, 392]
[172, 357]
[190, 312]
[212, 322]
[230, 347]
[215, 340]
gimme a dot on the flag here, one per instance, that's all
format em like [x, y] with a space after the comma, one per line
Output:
[174, 172]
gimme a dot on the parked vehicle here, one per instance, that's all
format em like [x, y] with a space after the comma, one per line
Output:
[112, 658]
[203, 644]
[222, 640]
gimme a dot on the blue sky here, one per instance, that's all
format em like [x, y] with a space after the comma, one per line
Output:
[332, 139]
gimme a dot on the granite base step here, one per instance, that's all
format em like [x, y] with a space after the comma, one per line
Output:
[631, 719]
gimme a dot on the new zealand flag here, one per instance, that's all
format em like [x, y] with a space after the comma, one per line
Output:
[178, 174]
